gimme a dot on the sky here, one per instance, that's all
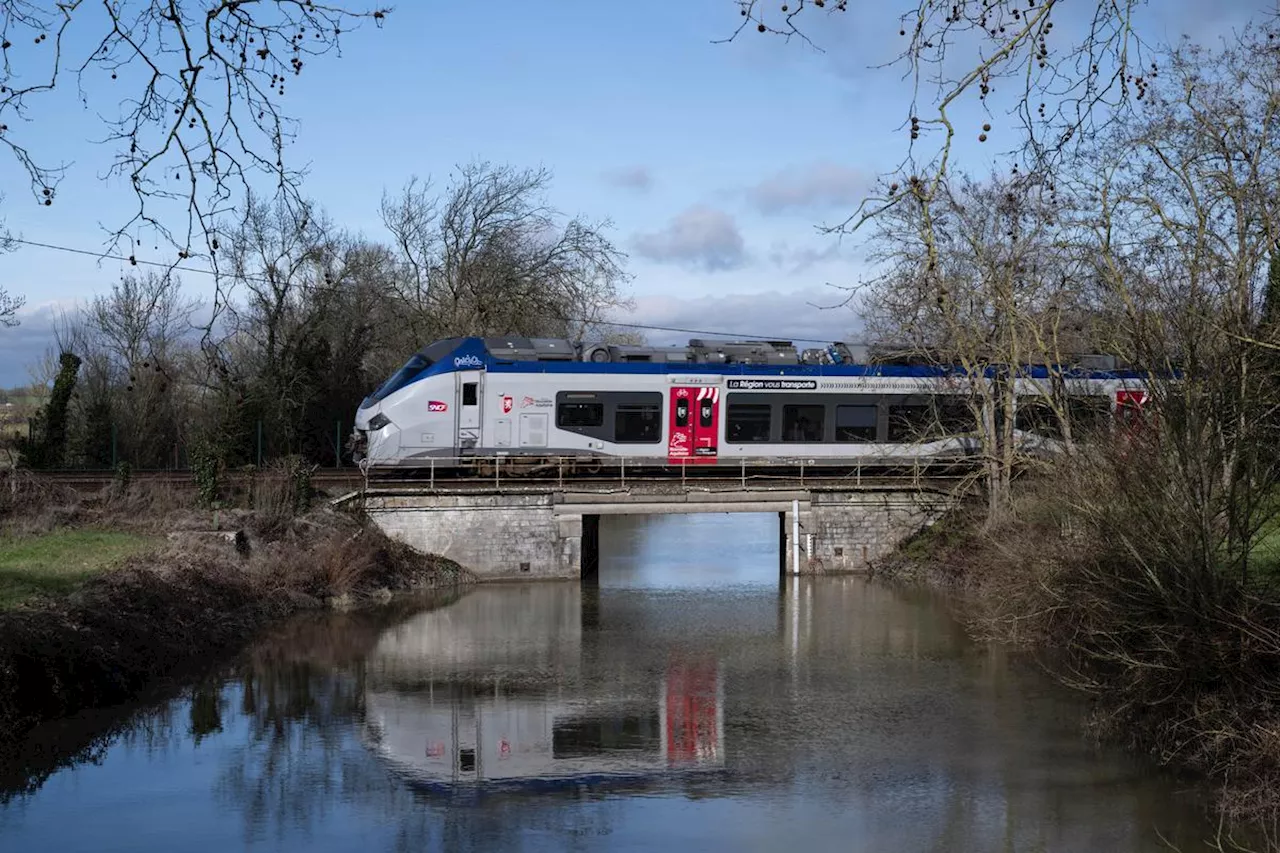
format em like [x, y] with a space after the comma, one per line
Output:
[716, 163]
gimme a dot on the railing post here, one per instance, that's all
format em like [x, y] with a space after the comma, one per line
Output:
[560, 472]
[622, 467]
[433, 473]
[744, 473]
[497, 477]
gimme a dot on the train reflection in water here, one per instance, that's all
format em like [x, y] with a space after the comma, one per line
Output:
[492, 692]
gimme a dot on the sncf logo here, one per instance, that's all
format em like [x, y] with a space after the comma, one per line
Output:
[467, 361]
[437, 406]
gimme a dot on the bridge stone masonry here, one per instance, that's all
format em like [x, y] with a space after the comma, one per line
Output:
[552, 531]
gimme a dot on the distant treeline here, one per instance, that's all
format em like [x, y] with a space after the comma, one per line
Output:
[306, 318]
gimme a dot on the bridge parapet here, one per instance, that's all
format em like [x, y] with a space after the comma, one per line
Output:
[545, 531]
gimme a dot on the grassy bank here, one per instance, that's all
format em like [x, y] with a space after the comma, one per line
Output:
[184, 586]
[1094, 577]
[58, 562]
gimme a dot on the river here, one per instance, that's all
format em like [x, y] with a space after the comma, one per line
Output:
[689, 700]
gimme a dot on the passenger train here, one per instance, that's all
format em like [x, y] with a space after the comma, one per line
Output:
[707, 403]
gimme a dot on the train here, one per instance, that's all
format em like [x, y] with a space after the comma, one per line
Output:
[463, 402]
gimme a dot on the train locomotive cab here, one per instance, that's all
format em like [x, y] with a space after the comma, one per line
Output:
[413, 414]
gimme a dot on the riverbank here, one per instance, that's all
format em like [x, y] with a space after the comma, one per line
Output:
[209, 581]
[1179, 663]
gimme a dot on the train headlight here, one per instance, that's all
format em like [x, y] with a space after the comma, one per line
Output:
[379, 421]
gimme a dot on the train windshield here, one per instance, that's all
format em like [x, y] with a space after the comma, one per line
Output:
[401, 377]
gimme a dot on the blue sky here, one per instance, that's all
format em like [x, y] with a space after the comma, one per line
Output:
[716, 162]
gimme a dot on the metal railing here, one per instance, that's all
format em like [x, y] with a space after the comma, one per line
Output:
[514, 470]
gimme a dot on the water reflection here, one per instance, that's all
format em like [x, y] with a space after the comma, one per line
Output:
[665, 710]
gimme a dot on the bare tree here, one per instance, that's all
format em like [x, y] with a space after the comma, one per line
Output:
[1180, 213]
[979, 281]
[9, 307]
[491, 256]
[199, 115]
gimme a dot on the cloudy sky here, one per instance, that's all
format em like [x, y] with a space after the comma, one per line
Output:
[715, 162]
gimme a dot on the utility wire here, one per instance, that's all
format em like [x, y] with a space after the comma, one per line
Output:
[199, 271]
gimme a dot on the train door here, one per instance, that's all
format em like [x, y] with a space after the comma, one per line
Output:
[694, 423]
[706, 426]
[469, 413]
[1130, 407]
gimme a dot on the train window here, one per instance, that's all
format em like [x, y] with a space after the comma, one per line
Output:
[469, 393]
[637, 424]
[749, 422]
[704, 413]
[909, 423]
[803, 423]
[954, 417]
[682, 412]
[580, 414]
[856, 423]
[402, 377]
[1036, 414]
[1088, 414]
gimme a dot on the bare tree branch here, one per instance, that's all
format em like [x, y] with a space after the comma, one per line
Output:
[201, 115]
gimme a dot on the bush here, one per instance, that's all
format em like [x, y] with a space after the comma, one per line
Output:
[281, 492]
[1115, 578]
[206, 465]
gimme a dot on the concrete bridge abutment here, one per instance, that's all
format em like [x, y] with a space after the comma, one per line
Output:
[555, 534]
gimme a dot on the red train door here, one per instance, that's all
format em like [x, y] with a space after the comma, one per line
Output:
[694, 425]
[706, 425]
[1130, 407]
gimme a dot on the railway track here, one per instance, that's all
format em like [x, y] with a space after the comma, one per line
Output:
[655, 478]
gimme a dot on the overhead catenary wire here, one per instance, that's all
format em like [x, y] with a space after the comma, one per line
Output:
[178, 267]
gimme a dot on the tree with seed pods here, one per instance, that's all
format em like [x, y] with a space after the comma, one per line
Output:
[198, 112]
[1061, 88]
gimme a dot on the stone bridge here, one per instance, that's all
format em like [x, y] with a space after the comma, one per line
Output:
[552, 531]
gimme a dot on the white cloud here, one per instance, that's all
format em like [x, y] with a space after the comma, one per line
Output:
[815, 187]
[637, 178]
[701, 238]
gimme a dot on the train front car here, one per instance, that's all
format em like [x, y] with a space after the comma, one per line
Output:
[414, 416]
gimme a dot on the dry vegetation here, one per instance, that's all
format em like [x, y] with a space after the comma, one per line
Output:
[203, 593]
[1099, 572]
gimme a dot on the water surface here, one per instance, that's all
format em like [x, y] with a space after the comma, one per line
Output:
[688, 701]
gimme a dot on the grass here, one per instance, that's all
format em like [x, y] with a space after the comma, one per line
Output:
[58, 562]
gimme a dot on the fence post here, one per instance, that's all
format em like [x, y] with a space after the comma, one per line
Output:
[259, 444]
[337, 444]
[115, 456]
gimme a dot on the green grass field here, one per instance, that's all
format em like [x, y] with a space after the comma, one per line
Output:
[56, 563]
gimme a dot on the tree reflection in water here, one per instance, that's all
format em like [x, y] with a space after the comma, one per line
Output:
[828, 714]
